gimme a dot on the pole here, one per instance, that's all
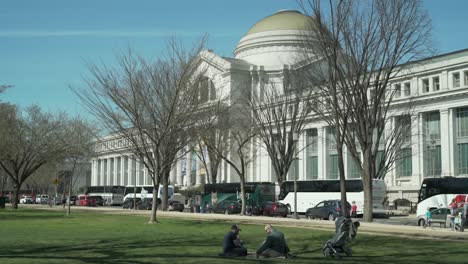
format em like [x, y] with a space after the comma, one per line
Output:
[134, 187]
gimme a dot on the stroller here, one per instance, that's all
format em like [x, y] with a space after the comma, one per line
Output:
[346, 231]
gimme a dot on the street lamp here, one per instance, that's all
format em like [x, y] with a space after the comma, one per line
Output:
[295, 159]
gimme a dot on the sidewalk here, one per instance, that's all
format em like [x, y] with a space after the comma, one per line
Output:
[367, 228]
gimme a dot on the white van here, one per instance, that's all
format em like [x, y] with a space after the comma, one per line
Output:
[42, 198]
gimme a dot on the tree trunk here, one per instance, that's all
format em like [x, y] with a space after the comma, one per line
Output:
[154, 207]
[15, 200]
[69, 195]
[164, 197]
[341, 168]
[243, 196]
[367, 186]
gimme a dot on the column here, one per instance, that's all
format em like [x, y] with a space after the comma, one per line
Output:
[103, 172]
[258, 168]
[179, 173]
[172, 174]
[131, 176]
[116, 180]
[198, 165]
[322, 152]
[300, 151]
[188, 169]
[447, 142]
[417, 146]
[93, 172]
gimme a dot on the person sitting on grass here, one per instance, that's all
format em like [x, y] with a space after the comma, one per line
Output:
[232, 245]
[274, 245]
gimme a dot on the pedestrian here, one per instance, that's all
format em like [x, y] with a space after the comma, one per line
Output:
[232, 245]
[465, 209]
[354, 209]
[453, 211]
[428, 218]
[274, 244]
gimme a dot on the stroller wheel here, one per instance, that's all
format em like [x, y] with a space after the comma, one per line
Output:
[327, 252]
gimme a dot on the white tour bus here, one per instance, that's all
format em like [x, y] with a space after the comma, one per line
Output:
[310, 193]
[439, 192]
[136, 191]
[112, 195]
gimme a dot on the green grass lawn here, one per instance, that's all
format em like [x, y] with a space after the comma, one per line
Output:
[33, 236]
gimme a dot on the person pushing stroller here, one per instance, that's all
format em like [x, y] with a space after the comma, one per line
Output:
[345, 231]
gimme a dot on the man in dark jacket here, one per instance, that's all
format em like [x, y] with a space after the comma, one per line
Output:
[274, 244]
[232, 246]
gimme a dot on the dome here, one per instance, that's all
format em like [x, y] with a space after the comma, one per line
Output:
[275, 40]
[281, 20]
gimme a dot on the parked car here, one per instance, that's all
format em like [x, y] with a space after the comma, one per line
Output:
[227, 207]
[42, 198]
[176, 206]
[128, 203]
[57, 200]
[73, 200]
[26, 200]
[328, 209]
[85, 201]
[141, 204]
[438, 216]
[98, 200]
[274, 209]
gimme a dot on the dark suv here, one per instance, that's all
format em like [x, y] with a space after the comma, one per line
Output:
[328, 209]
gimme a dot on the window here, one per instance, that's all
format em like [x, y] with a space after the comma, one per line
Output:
[462, 122]
[311, 154]
[404, 123]
[203, 90]
[425, 84]
[331, 138]
[463, 158]
[407, 88]
[397, 90]
[333, 167]
[465, 76]
[405, 163]
[212, 90]
[353, 169]
[435, 83]
[456, 79]
[433, 161]
[432, 126]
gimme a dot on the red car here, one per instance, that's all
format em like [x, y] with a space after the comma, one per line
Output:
[85, 200]
[275, 208]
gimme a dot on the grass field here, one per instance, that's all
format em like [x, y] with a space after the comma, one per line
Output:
[33, 236]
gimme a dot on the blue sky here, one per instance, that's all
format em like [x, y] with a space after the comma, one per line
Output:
[45, 45]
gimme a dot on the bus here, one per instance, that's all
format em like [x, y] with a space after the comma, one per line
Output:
[439, 192]
[257, 193]
[310, 193]
[112, 195]
[136, 191]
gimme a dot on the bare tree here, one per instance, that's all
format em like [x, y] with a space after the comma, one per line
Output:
[367, 43]
[279, 117]
[234, 146]
[152, 106]
[80, 147]
[29, 141]
[212, 131]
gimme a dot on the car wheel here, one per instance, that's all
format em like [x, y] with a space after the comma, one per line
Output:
[421, 222]
[331, 217]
